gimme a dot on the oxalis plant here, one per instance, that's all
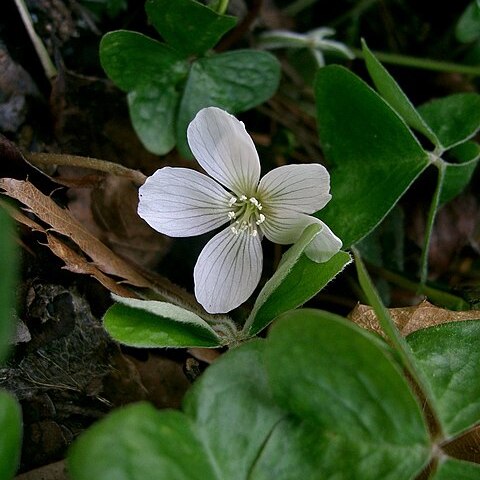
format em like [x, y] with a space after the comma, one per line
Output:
[320, 397]
[169, 82]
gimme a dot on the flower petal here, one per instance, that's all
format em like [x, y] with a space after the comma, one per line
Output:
[225, 150]
[324, 246]
[228, 270]
[302, 188]
[181, 202]
[284, 226]
[287, 228]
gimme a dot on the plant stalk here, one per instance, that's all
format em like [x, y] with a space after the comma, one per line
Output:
[440, 164]
[423, 63]
[47, 64]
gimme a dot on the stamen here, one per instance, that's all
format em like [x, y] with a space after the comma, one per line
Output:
[245, 215]
[261, 219]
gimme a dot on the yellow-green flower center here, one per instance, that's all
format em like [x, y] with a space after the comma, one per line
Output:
[245, 215]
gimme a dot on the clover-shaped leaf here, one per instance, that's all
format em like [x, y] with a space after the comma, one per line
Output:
[451, 468]
[228, 417]
[376, 156]
[333, 402]
[459, 174]
[394, 95]
[449, 356]
[235, 81]
[454, 119]
[168, 83]
[447, 122]
[150, 71]
[188, 26]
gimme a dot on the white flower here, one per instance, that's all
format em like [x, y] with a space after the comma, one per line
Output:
[314, 40]
[180, 202]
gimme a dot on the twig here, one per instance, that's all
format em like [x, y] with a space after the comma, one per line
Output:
[48, 66]
[86, 162]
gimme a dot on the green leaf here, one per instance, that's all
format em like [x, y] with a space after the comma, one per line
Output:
[10, 435]
[394, 95]
[351, 415]
[352, 412]
[375, 154]
[454, 119]
[458, 175]
[131, 60]
[150, 72]
[7, 281]
[233, 410]
[453, 469]
[448, 355]
[228, 417]
[140, 443]
[235, 81]
[149, 323]
[296, 280]
[467, 28]
[187, 25]
[152, 110]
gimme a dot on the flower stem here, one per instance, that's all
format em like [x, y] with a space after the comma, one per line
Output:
[219, 6]
[437, 296]
[47, 64]
[398, 342]
[297, 6]
[423, 63]
[440, 164]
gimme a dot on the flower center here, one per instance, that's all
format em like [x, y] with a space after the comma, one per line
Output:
[245, 215]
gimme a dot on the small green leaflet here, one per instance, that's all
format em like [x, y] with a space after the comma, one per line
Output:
[296, 280]
[150, 323]
[375, 155]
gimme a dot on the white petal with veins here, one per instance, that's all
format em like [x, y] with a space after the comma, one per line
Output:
[302, 188]
[224, 149]
[228, 270]
[181, 202]
[287, 227]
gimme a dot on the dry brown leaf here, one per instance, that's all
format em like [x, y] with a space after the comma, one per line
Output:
[53, 471]
[62, 222]
[77, 264]
[163, 379]
[104, 259]
[109, 211]
[466, 447]
[74, 262]
[21, 218]
[410, 319]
